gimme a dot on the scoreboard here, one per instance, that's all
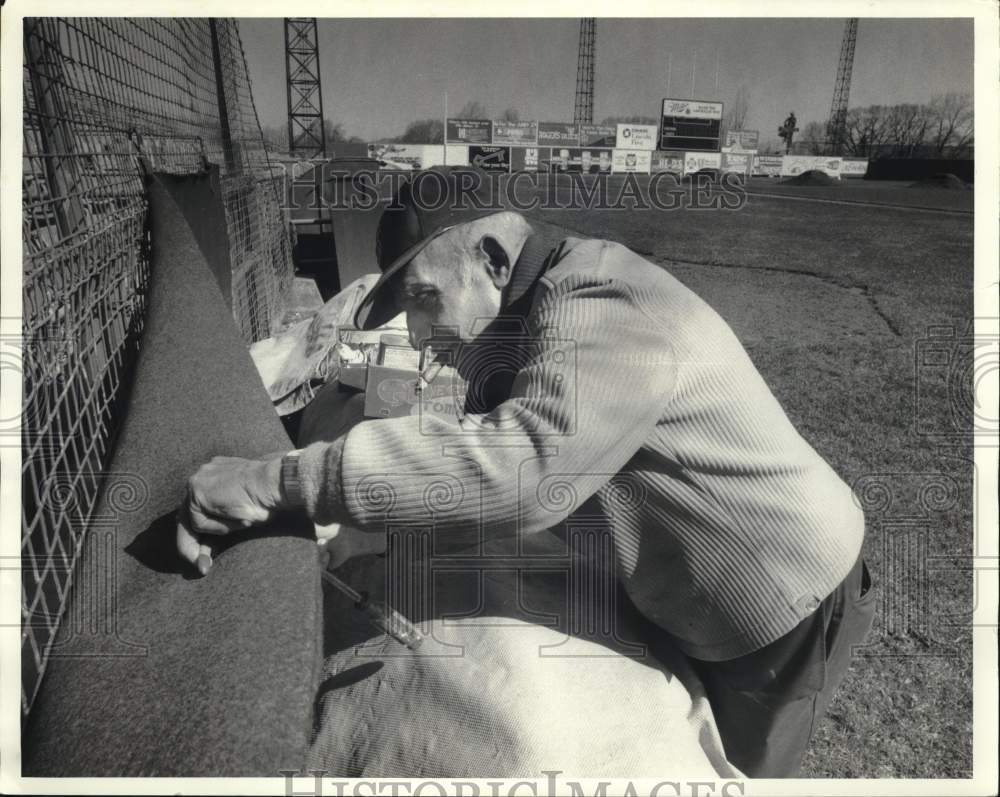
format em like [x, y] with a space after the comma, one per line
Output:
[691, 125]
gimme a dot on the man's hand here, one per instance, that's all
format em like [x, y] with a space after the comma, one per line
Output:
[231, 493]
[227, 494]
[197, 553]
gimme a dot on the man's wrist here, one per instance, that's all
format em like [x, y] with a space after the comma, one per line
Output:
[289, 481]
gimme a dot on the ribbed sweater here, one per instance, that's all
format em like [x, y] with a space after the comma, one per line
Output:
[729, 529]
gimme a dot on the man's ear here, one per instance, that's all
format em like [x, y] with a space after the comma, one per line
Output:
[497, 261]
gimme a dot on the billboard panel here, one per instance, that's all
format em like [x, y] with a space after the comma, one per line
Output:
[490, 159]
[672, 162]
[792, 165]
[549, 158]
[580, 160]
[767, 165]
[598, 136]
[853, 167]
[558, 134]
[691, 125]
[631, 160]
[631, 136]
[398, 155]
[693, 109]
[737, 162]
[431, 155]
[524, 159]
[515, 133]
[468, 131]
[742, 140]
[419, 156]
[456, 155]
[693, 161]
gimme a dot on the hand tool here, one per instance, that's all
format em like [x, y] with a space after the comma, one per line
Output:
[381, 616]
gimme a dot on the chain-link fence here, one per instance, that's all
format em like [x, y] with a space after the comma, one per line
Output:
[102, 97]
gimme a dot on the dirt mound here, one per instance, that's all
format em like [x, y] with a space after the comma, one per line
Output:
[945, 180]
[811, 177]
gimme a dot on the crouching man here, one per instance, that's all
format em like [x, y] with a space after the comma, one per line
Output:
[742, 545]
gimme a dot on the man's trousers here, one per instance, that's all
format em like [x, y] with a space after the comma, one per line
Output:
[767, 704]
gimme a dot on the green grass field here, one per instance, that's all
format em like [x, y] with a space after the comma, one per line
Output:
[833, 302]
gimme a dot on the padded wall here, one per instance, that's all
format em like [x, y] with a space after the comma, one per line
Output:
[182, 676]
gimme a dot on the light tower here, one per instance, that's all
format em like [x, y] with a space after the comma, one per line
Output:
[306, 136]
[836, 127]
[583, 108]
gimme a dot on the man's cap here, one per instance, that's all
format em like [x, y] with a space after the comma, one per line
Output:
[430, 203]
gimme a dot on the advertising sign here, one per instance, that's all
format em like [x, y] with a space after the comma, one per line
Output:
[598, 136]
[853, 167]
[636, 137]
[695, 161]
[490, 159]
[431, 155]
[399, 156]
[578, 160]
[558, 134]
[691, 125]
[672, 162]
[419, 156]
[693, 109]
[515, 133]
[469, 131]
[524, 159]
[630, 160]
[767, 165]
[554, 159]
[742, 140]
[792, 165]
[737, 162]
[456, 155]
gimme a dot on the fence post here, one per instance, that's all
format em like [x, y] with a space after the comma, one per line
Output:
[220, 91]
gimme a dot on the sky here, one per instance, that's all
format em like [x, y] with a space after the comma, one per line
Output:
[380, 74]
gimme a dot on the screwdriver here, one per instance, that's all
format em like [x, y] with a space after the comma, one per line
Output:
[383, 617]
[431, 366]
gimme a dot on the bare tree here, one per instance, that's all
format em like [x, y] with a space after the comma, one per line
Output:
[865, 130]
[510, 115]
[941, 128]
[335, 134]
[950, 123]
[813, 138]
[906, 128]
[423, 131]
[473, 110]
[736, 112]
[276, 136]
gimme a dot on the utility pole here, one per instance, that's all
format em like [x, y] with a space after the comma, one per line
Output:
[306, 127]
[583, 108]
[836, 127]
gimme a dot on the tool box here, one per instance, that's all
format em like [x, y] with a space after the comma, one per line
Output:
[387, 368]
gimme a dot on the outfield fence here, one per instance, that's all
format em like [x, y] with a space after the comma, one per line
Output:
[104, 100]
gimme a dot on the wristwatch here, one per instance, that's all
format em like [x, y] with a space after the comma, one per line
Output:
[291, 487]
